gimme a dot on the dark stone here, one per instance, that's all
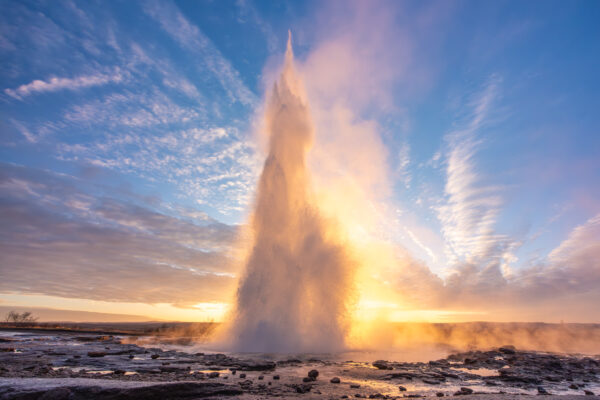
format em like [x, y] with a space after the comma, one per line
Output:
[402, 388]
[402, 375]
[261, 377]
[439, 394]
[541, 390]
[242, 376]
[247, 384]
[213, 374]
[464, 391]
[154, 356]
[276, 377]
[381, 364]
[313, 374]
[303, 388]
[307, 379]
[96, 354]
[171, 369]
[335, 379]
[588, 393]
[507, 350]
[573, 386]
[253, 365]
[354, 386]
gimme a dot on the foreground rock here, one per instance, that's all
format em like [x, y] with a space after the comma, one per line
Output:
[174, 391]
[75, 366]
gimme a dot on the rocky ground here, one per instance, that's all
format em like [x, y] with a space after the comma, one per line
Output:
[88, 366]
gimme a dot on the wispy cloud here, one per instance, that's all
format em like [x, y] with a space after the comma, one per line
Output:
[23, 130]
[190, 37]
[55, 84]
[403, 169]
[214, 166]
[472, 205]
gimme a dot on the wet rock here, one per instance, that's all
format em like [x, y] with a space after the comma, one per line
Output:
[507, 350]
[248, 365]
[171, 369]
[303, 388]
[401, 375]
[439, 363]
[449, 375]
[247, 384]
[96, 354]
[552, 378]
[173, 391]
[382, 364]
[402, 388]
[542, 390]
[335, 379]
[464, 391]
[289, 361]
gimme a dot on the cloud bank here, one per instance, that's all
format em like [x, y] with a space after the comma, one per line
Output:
[59, 240]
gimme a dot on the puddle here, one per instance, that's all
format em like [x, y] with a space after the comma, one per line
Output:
[479, 371]
[208, 371]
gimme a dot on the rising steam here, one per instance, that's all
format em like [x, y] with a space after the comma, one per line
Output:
[295, 291]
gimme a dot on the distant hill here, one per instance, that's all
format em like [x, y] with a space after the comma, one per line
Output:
[53, 315]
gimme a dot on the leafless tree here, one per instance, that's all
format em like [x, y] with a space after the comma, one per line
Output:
[20, 318]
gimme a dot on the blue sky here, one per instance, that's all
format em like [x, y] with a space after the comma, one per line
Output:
[130, 151]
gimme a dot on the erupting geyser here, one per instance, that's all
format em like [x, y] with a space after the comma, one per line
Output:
[297, 283]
